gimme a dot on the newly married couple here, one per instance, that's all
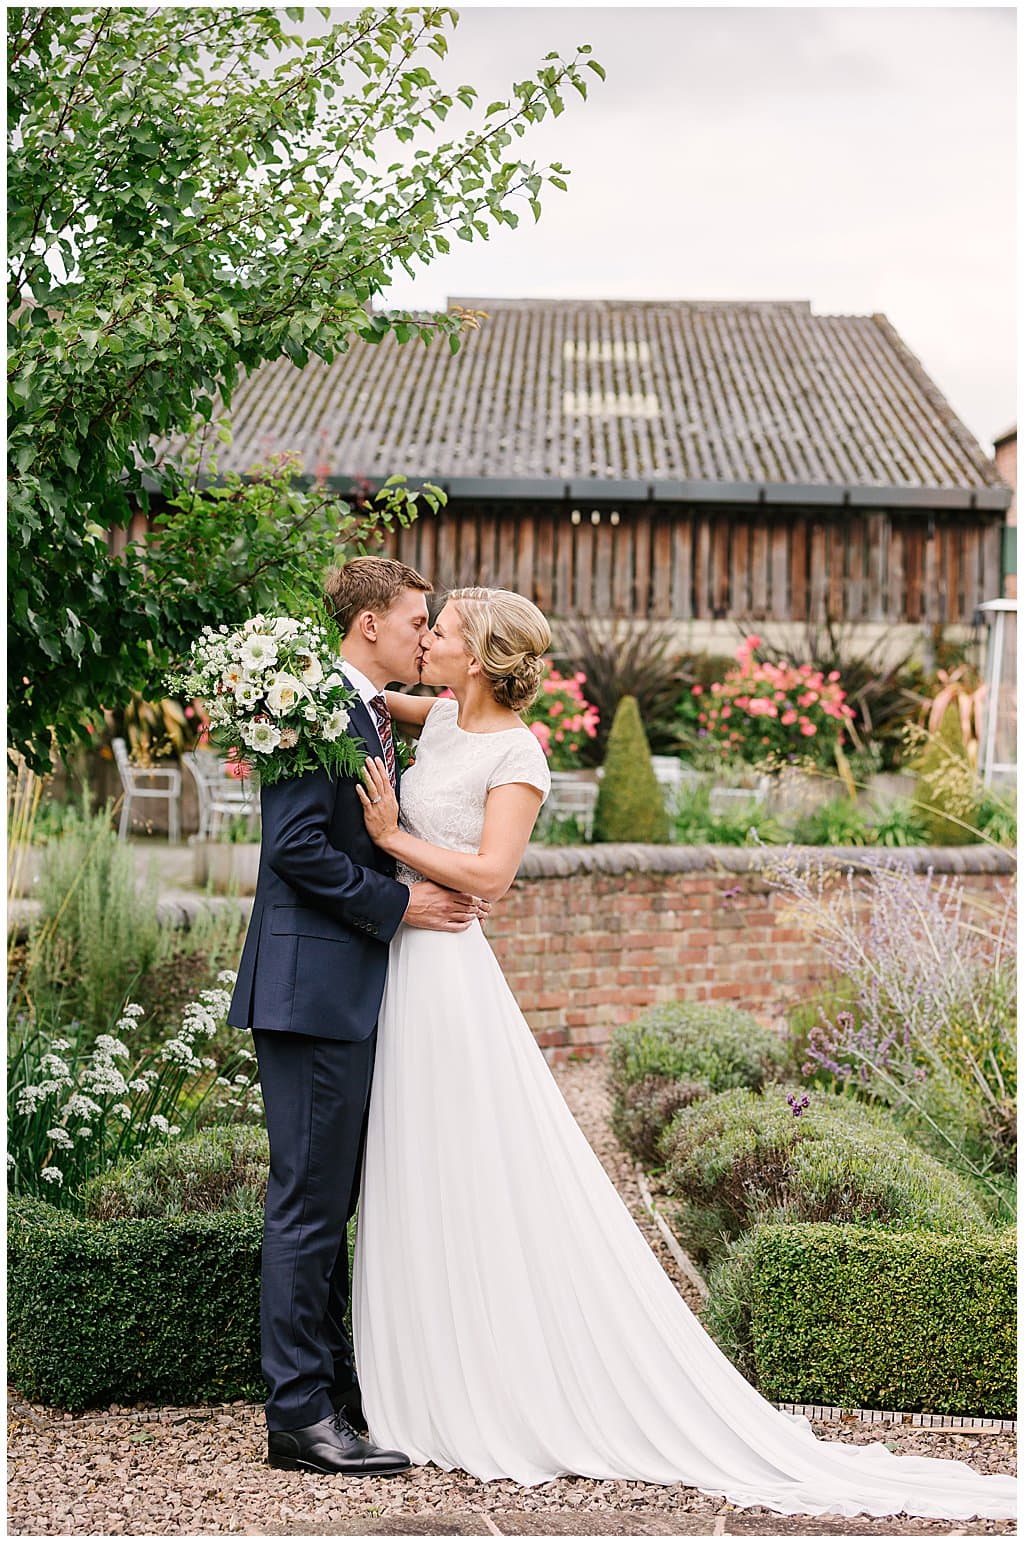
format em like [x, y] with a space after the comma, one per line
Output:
[509, 1318]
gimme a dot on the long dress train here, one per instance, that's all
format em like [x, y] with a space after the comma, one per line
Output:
[509, 1316]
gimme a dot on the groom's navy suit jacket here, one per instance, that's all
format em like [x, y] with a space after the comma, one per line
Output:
[327, 904]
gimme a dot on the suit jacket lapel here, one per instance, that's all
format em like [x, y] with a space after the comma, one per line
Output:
[361, 722]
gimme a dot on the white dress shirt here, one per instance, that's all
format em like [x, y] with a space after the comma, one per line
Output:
[367, 691]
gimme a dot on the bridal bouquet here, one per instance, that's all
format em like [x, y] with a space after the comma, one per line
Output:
[274, 696]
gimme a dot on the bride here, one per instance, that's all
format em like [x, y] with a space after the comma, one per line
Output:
[509, 1317]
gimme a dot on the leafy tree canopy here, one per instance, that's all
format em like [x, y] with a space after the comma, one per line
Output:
[192, 192]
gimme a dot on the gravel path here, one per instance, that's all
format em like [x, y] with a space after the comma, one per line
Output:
[198, 1472]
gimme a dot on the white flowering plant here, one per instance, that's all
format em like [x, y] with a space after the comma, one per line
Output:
[73, 1110]
[275, 698]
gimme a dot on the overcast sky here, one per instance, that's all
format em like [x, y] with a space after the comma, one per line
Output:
[862, 159]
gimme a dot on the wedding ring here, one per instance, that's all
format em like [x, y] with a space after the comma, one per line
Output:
[375, 800]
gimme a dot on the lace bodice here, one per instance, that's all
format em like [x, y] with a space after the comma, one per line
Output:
[444, 794]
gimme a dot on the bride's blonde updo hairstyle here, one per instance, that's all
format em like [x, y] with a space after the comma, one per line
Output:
[509, 637]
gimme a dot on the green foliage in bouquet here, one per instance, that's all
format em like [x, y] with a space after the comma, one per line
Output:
[630, 805]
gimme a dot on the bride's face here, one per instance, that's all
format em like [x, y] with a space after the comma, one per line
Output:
[445, 659]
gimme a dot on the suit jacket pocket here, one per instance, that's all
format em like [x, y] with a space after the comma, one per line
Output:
[306, 922]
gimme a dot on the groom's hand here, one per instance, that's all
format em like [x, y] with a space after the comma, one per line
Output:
[437, 909]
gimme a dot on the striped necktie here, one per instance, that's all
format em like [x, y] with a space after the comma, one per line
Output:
[387, 739]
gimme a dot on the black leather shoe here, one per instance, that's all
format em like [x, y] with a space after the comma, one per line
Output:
[331, 1446]
[349, 1404]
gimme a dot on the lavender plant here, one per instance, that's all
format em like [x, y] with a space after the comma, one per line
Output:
[75, 1108]
[929, 1025]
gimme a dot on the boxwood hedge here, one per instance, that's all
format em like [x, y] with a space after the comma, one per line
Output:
[863, 1318]
[162, 1309]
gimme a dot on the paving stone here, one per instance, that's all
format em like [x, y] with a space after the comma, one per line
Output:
[642, 1523]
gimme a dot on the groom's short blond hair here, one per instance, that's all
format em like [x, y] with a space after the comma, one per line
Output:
[368, 584]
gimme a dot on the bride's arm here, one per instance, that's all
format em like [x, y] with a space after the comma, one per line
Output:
[408, 709]
[509, 817]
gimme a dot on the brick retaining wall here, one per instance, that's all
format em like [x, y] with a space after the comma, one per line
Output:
[588, 937]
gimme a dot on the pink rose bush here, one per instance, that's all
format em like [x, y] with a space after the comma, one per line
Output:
[761, 708]
[562, 718]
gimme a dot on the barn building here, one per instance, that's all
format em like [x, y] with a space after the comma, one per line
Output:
[695, 461]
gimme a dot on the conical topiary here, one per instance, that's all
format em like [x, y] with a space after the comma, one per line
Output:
[630, 805]
[946, 784]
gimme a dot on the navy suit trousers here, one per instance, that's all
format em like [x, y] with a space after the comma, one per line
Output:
[316, 1093]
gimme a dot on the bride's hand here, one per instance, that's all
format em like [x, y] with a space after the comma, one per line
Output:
[380, 806]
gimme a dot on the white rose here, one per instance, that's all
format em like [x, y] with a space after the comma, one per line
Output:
[336, 724]
[284, 627]
[284, 692]
[309, 713]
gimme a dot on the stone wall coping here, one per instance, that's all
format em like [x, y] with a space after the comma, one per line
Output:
[540, 862]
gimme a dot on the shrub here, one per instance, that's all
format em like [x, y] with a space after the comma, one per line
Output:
[676, 1053]
[900, 825]
[996, 816]
[562, 719]
[98, 929]
[695, 823]
[762, 709]
[860, 1318]
[738, 1158]
[223, 1168]
[708, 1042]
[840, 823]
[946, 794]
[930, 1025]
[76, 1107]
[628, 658]
[164, 1310]
[643, 1111]
[630, 804]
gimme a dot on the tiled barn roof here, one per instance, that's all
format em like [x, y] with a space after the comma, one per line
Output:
[760, 393]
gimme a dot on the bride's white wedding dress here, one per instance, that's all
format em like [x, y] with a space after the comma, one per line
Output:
[509, 1316]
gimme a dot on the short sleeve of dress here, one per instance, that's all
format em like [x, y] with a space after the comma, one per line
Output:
[522, 760]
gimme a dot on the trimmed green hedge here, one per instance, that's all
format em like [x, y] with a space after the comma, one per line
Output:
[677, 1053]
[738, 1158]
[164, 1310]
[861, 1318]
[155, 1294]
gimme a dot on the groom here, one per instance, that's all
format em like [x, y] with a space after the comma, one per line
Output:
[309, 986]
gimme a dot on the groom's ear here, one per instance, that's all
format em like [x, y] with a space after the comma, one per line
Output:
[365, 625]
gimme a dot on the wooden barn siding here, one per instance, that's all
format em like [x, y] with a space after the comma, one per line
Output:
[683, 562]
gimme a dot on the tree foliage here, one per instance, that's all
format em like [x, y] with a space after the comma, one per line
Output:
[193, 192]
